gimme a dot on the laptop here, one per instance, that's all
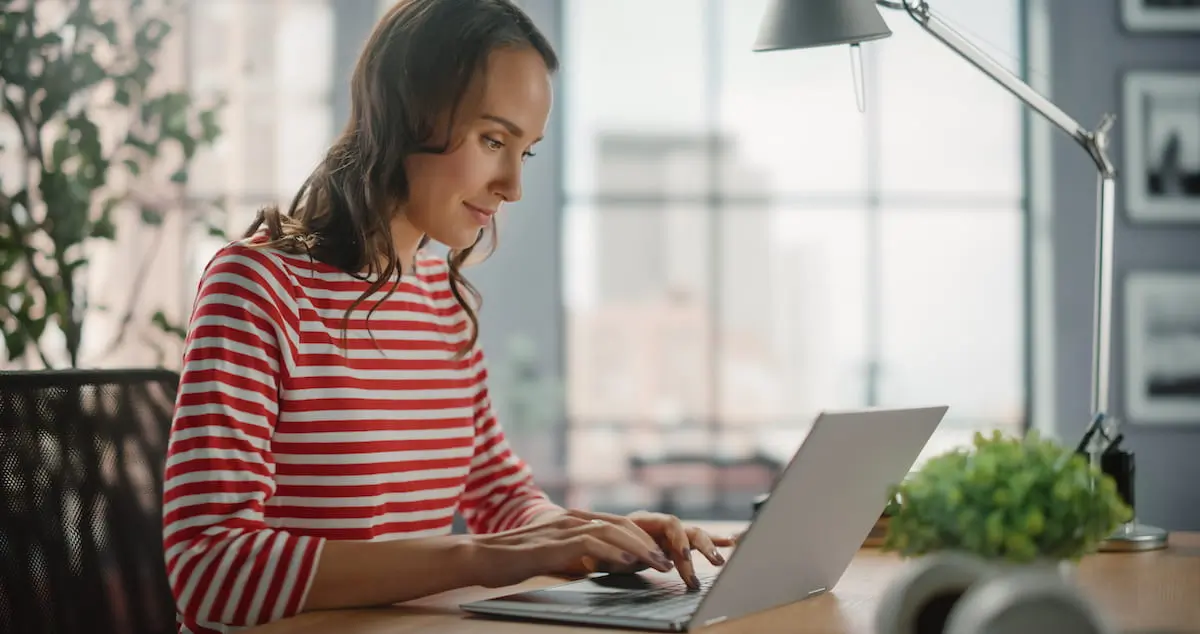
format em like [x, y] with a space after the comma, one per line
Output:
[819, 512]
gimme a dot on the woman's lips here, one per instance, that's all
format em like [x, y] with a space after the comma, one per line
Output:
[482, 216]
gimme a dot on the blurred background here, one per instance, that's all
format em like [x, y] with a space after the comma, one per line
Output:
[714, 244]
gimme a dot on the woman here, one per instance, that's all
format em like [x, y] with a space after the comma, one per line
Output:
[333, 411]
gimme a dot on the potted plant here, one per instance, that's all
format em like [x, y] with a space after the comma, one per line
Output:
[1005, 500]
[98, 142]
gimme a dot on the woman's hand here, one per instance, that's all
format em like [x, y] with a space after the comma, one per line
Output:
[678, 541]
[573, 542]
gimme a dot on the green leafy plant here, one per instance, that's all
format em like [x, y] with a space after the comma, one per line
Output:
[94, 137]
[893, 505]
[1013, 499]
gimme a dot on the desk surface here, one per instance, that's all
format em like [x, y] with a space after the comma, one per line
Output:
[1155, 591]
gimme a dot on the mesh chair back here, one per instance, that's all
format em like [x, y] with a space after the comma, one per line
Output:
[81, 466]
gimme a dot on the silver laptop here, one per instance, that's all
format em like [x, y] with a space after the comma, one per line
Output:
[800, 543]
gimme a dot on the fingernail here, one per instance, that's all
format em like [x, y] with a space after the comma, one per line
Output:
[718, 558]
[629, 558]
[695, 581]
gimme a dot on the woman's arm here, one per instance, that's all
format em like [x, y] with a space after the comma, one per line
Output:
[225, 565]
[352, 574]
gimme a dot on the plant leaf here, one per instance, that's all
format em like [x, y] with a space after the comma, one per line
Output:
[152, 217]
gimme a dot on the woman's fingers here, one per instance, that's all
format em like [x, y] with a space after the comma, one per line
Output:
[619, 520]
[670, 532]
[680, 548]
[594, 552]
[657, 540]
[624, 540]
[629, 525]
[707, 545]
[722, 541]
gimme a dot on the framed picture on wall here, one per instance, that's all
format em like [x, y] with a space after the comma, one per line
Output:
[1161, 15]
[1162, 348]
[1161, 132]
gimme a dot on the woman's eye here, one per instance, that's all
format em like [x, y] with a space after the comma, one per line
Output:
[492, 143]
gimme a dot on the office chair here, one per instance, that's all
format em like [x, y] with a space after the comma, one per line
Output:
[81, 467]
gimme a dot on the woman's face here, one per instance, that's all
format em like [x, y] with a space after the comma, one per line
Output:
[453, 196]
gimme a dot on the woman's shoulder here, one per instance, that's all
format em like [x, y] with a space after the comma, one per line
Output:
[293, 264]
[245, 258]
[247, 268]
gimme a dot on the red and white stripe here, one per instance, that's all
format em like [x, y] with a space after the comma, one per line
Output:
[285, 436]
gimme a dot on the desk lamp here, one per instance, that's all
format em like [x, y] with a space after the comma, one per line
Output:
[797, 24]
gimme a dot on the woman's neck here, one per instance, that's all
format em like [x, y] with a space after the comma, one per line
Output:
[407, 240]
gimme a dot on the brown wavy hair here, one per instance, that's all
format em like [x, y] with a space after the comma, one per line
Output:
[412, 76]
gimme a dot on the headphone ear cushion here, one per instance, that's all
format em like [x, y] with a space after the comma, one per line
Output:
[1026, 602]
[923, 596]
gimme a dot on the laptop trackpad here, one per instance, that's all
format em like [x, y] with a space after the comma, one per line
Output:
[584, 592]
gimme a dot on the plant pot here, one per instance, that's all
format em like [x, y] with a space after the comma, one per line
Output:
[933, 587]
[1065, 568]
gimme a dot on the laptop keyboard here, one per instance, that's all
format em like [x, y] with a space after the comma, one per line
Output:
[666, 600]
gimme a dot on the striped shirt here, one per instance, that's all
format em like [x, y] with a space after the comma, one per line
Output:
[285, 435]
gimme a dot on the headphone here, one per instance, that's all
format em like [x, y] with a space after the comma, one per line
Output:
[958, 593]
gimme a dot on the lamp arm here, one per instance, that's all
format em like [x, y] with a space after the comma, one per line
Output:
[1094, 143]
[1101, 433]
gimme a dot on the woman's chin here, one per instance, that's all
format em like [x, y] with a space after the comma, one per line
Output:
[457, 240]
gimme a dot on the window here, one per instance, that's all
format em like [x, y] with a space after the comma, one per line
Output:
[273, 64]
[743, 247]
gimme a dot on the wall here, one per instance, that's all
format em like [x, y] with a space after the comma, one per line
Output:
[353, 22]
[1079, 52]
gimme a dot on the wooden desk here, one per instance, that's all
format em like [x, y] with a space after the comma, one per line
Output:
[1156, 591]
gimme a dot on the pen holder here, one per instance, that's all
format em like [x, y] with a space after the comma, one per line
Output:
[759, 501]
[1131, 536]
[1120, 466]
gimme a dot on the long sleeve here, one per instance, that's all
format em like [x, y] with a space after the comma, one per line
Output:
[226, 566]
[500, 493]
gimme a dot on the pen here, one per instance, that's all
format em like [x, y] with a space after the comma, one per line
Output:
[1112, 446]
[1091, 431]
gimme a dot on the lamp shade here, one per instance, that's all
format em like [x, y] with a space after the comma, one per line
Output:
[808, 23]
